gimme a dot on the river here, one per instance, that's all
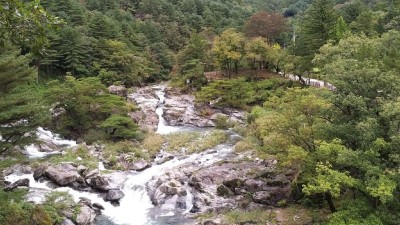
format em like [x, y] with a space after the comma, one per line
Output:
[136, 207]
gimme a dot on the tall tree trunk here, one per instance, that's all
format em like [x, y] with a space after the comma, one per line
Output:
[328, 198]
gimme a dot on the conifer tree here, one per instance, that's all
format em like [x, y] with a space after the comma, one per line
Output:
[20, 111]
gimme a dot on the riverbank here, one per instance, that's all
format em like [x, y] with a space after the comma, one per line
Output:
[175, 175]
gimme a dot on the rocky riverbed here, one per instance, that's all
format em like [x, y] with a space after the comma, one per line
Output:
[172, 188]
[178, 109]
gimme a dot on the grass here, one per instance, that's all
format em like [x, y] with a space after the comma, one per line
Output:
[153, 143]
[238, 217]
[17, 195]
[72, 155]
[194, 141]
[299, 215]
[211, 140]
[177, 141]
[259, 217]
[9, 161]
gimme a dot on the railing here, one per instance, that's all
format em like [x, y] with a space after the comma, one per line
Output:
[310, 81]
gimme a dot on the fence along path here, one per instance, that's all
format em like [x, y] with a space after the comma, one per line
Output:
[310, 81]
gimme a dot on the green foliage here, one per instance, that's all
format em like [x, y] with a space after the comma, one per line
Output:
[80, 155]
[120, 127]
[25, 23]
[258, 217]
[341, 29]
[195, 142]
[85, 104]
[228, 50]
[234, 92]
[191, 61]
[328, 181]
[222, 122]
[16, 213]
[21, 106]
[256, 53]
[56, 203]
[317, 27]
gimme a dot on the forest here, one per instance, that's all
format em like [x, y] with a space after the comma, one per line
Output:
[57, 59]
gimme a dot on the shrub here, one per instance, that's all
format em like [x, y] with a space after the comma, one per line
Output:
[223, 122]
[120, 127]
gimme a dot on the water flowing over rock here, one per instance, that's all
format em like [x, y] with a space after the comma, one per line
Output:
[215, 187]
[114, 195]
[139, 165]
[173, 187]
[176, 109]
[180, 109]
[100, 183]
[147, 101]
[19, 183]
[49, 144]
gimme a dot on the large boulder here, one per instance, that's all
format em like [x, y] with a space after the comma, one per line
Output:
[101, 183]
[63, 174]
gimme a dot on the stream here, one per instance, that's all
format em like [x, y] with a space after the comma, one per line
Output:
[136, 207]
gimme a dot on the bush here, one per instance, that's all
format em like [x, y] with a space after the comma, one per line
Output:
[232, 93]
[222, 122]
[94, 135]
[120, 127]
[56, 202]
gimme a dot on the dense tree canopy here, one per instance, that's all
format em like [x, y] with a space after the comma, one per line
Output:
[342, 144]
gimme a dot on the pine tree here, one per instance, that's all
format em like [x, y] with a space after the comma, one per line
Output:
[20, 111]
[317, 27]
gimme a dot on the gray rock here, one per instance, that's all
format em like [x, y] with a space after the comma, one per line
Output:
[279, 180]
[90, 173]
[19, 183]
[40, 171]
[85, 201]
[262, 197]
[97, 206]
[114, 195]
[48, 147]
[86, 216]
[147, 100]
[139, 165]
[118, 90]
[63, 174]
[216, 221]
[222, 190]
[100, 183]
[67, 221]
[253, 185]
[81, 169]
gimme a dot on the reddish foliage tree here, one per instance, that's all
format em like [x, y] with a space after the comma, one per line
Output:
[266, 25]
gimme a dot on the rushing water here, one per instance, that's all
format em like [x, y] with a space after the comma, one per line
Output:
[136, 207]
